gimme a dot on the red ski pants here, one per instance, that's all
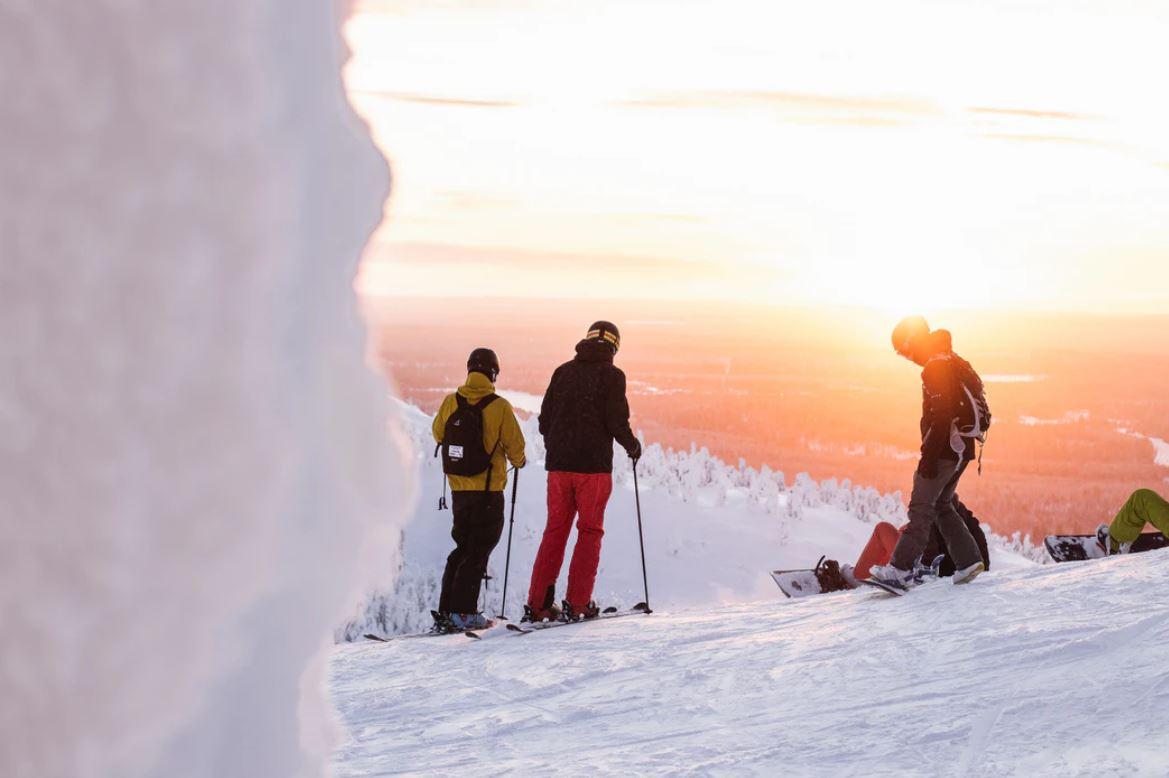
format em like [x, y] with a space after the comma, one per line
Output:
[879, 549]
[570, 494]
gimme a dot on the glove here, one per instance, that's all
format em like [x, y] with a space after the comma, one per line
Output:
[635, 452]
[927, 468]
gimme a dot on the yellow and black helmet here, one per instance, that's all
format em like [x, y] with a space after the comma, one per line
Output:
[605, 332]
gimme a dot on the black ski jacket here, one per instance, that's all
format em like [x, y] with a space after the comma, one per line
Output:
[584, 411]
[941, 391]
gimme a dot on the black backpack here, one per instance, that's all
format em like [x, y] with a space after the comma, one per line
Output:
[973, 421]
[974, 411]
[462, 447]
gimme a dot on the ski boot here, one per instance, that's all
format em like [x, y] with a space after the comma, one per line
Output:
[574, 613]
[442, 623]
[536, 615]
[465, 621]
[546, 611]
[830, 576]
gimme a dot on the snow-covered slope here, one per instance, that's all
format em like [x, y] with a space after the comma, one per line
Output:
[1046, 670]
[712, 533]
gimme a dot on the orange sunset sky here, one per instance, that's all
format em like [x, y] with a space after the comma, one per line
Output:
[895, 155]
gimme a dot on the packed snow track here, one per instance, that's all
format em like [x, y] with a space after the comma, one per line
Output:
[1054, 670]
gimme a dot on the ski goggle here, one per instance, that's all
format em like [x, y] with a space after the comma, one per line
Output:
[607, 336]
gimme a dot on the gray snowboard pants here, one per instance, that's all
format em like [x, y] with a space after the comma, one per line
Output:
[932, 503]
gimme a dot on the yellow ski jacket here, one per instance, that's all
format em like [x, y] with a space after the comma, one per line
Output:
[499, 426]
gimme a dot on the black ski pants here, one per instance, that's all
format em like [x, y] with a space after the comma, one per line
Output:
[477, 529]
[932, 504]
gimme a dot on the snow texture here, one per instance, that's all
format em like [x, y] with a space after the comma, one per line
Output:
[194, 463]
[1032, 671]
[713, 532]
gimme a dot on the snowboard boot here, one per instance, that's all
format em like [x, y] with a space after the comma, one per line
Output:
[829, 575]
[968, 574]
[922, 573]
[579, 613]
[465, 621]
[893, 576]
[1108, 544]
[536, 615]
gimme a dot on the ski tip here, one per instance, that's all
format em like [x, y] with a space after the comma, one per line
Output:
[515, 628]
[610, 609]
[642, 607]
[472, 634]
[371, 636]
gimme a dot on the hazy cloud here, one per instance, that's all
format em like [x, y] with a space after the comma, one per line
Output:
[797, 106]
[1027, 138]
[456, 102]
[1034, 114]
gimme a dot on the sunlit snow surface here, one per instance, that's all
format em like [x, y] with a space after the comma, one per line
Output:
[1053, 670]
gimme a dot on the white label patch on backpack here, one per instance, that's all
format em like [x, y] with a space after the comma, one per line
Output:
[455, 452]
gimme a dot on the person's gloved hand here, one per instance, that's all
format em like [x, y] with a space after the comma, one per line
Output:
[634, 452]
[927, 468]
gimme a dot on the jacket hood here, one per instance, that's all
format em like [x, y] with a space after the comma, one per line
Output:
[477, 387]
[594, 351]
[937, 342]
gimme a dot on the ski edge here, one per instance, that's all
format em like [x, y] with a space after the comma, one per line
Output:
[608, 613]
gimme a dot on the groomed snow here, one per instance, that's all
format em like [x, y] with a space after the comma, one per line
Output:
[1048, 670]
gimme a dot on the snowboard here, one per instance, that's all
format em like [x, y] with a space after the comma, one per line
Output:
[797, 583]
[1076, 548]
[527, 627]
[896, 591]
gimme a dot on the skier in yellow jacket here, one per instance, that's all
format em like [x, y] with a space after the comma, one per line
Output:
[478, 434]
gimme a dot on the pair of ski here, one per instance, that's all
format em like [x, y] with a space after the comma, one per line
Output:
[430, 633]
[528, 627]
[520, 629]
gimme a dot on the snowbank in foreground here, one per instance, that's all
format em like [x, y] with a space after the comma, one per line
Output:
[1046, 671]
[192, 454]
[712, 533]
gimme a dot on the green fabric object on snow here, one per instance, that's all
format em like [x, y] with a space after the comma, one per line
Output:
[1143, 506]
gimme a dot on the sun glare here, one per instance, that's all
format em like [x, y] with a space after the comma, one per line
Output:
[776, 151]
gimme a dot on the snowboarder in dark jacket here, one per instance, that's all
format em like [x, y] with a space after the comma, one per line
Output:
[584, 411]
[948, 383]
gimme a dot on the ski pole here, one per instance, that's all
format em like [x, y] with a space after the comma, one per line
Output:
[641, 537]
[515, 475]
